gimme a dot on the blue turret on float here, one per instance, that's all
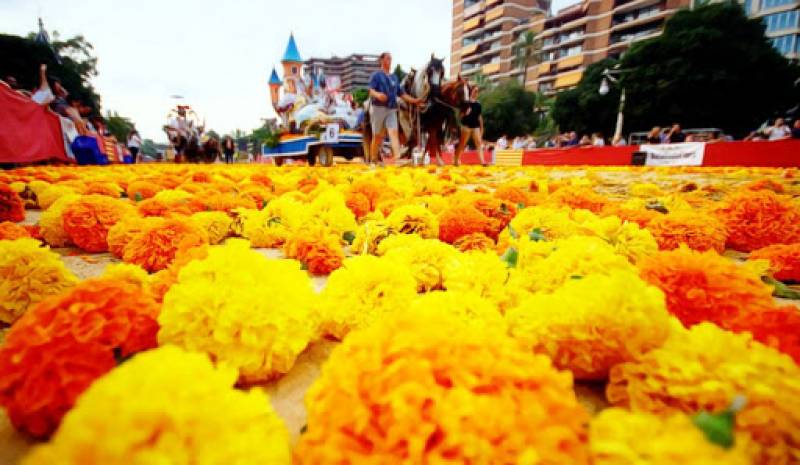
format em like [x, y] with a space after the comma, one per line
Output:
[316, 119]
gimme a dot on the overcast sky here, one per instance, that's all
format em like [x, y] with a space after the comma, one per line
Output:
[218, 53]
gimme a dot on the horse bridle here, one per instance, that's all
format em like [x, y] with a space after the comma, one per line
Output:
[453, 107]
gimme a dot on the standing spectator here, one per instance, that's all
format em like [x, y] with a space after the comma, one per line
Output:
[676, 135]
[796, 129]
[384, 90]
[778, 131]
[619, 141]
[585, 141]
[597, 140]
[134, 144]
[654, 136]
[518, 144]
[228, 147]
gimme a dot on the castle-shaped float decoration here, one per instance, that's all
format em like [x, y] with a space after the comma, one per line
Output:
[308, 99]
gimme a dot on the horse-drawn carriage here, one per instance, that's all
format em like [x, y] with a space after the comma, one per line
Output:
[185, 134]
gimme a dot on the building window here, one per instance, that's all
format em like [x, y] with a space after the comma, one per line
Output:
[294, 70]
[767, 4]
[570, 51]
[545, 87]
[781, 21]
[784, 44]
[748, 5]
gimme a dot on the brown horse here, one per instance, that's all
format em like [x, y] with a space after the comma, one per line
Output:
[442, 114]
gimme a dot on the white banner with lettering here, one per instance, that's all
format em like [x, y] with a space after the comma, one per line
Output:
[685, 154]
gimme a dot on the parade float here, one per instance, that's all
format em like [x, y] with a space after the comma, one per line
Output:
[317, 120]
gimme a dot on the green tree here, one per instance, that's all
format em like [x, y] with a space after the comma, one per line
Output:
[583, 109]
[479, 79]
[526, 52]
[712, 67]
[509, 108]
[149, 148]
[398, 71]
[118, 126]
[360, 96]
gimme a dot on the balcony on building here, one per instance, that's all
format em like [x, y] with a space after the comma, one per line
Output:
[565, 16]
[637, 16]
[635, 33]
[472, 8]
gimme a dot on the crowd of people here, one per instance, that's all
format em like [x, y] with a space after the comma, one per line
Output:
[78, 116]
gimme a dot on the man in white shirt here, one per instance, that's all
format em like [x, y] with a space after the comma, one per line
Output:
[778, 131]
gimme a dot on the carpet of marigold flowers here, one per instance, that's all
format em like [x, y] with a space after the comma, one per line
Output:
[468, 306]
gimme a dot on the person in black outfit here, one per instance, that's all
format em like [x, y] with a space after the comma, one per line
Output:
[228, 148]
[676, 136]
[796, 129]
[471, 127]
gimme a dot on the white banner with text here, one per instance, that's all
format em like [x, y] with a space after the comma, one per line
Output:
[685, 154]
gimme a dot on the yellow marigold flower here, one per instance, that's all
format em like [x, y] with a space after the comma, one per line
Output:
[414, 219]
[551, 223]
[432, 388]
[361, 292]
[703, 369]
[590, 324]
[259, 228]
[482, 273]
[242, 309]
[645, 189]
[169, 196]
[545, 266]
[52, 193]
[50, 224]
[216, 224]
[467, 306]
[127, 272]
[370, 235]
[129, 226]
[167, 406]
[330, 209]
[427, 259]
[29, 273]
[620, 437]
[627, 237]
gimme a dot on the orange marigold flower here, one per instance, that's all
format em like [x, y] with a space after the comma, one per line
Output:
[461, 220]
[10, 231]
[579, 197]
[109, 189]
[640, 216]
[474, 241]
[155, 246]
[756, 219]
[358, 203]
[784, 260]
[12, 208]
[500, 213]
[88, 220]
[765, 184]
[512, 194]
[698, 231]
[705, 286]
[121, 233]
[429, 387]
[226, 202]
[778, 328]
[317, 248]
[60, 346]
[371, 188]
[141, 189]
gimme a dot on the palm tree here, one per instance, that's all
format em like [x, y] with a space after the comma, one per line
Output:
[526, 52]
[480, 80]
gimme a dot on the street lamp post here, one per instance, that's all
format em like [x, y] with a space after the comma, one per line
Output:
[608, 78]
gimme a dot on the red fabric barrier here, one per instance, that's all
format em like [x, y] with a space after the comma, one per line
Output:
[468, 157]
[780, 154]
[29, 132]
[580, 156]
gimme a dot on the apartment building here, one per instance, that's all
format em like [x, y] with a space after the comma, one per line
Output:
[353, 70]
[782, 19]
[484, 32]
[572, 38]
